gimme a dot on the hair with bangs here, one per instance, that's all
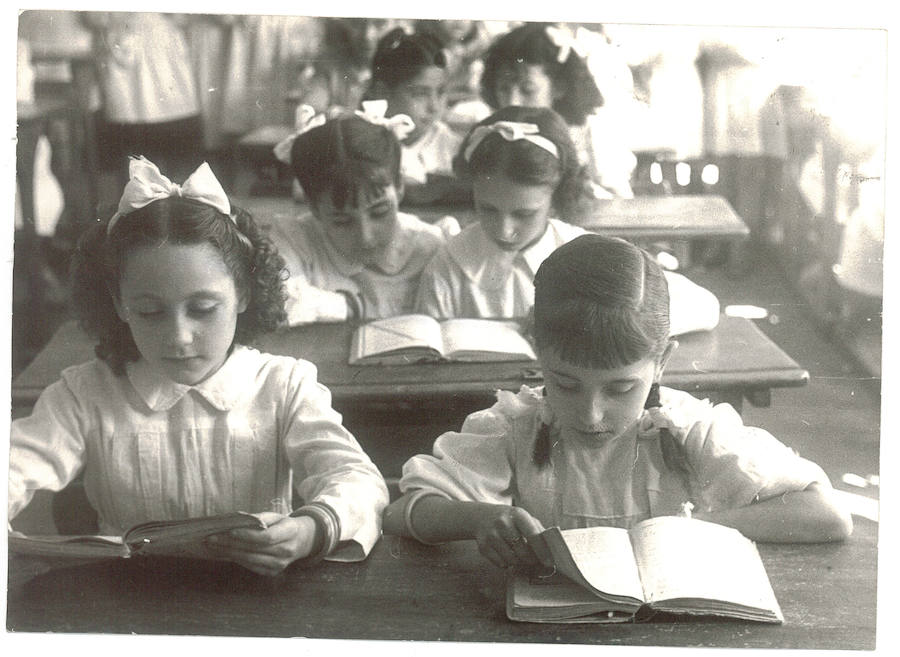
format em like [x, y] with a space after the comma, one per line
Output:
[100, 258]
[528, 164]
[344, 157]
[601, 302]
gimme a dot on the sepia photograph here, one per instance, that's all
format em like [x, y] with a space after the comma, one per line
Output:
[415, 328]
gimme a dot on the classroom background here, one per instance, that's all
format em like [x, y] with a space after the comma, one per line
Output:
[785, 124]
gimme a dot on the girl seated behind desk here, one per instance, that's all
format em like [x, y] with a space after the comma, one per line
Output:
[177, 418]
[524, 174]
[539, 65]
[353, 255]
[602, 444]
[409, 72]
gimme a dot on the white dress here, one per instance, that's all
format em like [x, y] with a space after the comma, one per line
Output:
[244, 439]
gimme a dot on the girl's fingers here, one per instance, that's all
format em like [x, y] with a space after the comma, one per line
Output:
[490, 553]
[527, 524]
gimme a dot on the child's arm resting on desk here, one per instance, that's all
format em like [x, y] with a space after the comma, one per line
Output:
[501, 531]
[812, 515]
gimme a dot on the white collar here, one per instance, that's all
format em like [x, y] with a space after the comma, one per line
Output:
[222, 389]
[390, 262]
[488, 266]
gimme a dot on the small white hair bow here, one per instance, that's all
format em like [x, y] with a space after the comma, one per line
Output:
[563, 39]
[510, 131]
[373, 111]
[146, 184]
[305, 119]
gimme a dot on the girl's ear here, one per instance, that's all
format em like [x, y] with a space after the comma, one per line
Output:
[400, 189]
[243, 302]
[664, 359]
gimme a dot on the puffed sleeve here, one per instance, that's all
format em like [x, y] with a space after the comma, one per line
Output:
[47, 448]
[330, 467]
[691, 307]
[474, 464]
[730, 464]
[436, 297]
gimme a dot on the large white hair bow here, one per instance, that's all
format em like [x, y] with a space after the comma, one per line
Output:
[510, 131]
[563, 39]
[373, 111]
[305, 119]
[146, 184]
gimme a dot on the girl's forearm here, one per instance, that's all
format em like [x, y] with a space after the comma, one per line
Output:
[808, 516]
[436, 519]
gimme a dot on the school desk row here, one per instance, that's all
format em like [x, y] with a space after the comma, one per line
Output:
[409, 591]
[734, 361]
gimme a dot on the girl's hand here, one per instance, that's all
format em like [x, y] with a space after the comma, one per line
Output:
[502, 537]
[267, 551]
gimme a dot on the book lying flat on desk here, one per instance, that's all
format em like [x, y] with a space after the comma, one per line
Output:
[667, 564]
[408, 339]
[145, 538]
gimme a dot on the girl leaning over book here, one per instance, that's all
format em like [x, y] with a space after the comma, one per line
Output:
[602, 443]
[177, 418]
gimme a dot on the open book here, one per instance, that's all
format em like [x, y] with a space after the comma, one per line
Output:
[668, 564]
[409, 339]
[158, 536]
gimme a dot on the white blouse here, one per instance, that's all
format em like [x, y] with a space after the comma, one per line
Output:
[241, 440]
[432, 153]
[319, 273]
[717, 463]
[470, 276]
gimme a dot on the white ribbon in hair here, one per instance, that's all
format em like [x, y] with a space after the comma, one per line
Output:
[305, 119]
[563, 39]
[510, 131]
[373, 111]
[146, 184]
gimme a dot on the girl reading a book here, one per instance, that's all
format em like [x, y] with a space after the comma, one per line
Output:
[177, 417]
[352, 255]
[601, 443]
[526, 181]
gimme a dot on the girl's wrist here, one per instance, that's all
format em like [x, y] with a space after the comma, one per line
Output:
[326, 533]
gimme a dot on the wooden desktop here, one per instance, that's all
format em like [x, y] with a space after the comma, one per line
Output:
[408, 591]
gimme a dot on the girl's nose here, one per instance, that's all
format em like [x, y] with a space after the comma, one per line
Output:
[593, 412]
[179, 330]
[507, 229]
[366, 234]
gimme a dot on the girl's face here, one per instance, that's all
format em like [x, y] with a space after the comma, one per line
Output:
[362, 229]
[597, 405]
[422, 98]
[526, 85]
[514, 215]
[181, 304]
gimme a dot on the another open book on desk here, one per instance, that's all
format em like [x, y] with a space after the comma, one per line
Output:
[667, 564]
[145, 538]
[407, 339]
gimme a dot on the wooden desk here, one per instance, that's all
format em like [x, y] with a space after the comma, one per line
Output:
[408, 591]
[735, 359]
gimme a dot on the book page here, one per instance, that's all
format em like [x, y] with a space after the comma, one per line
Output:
[600, 557]
[686, 558]
[468, 339]
[56, 545]
[394, 333]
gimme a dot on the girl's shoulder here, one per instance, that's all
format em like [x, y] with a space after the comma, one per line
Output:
[510, 409]
[93, 377]
[682, 414]
[423, 232]
[564, 231]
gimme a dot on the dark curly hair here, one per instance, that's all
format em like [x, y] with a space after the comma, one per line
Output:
[529, 44]
[343, 156]
[99, 259]
[399, 56]
[527, 163]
